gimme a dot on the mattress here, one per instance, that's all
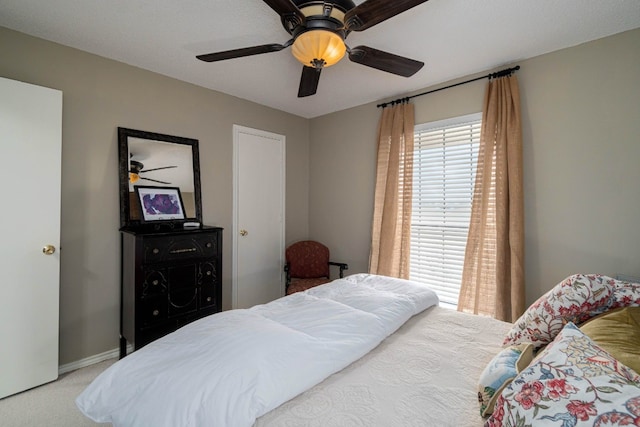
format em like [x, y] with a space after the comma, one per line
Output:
[425, 374]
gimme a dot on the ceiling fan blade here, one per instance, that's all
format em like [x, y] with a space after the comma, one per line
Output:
[309, 81]
[245, 51]
[287, 10]
[157, 169]
[155, 180]
[385, 61]
[372, 12]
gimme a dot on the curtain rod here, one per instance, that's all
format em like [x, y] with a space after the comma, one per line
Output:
[501, 73]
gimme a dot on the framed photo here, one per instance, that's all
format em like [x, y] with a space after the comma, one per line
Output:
[160, 203]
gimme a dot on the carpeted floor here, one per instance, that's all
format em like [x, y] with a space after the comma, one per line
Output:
[53, 404]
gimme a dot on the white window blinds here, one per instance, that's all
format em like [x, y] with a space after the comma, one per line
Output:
[445, 157]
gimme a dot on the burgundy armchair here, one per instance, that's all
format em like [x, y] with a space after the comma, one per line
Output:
[308, 265]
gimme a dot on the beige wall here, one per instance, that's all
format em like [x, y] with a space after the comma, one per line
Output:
[581, 115]
[580, 107]
[98, 96]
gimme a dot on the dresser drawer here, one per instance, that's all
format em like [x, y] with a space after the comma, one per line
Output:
[152, 310]
[208, 295]
[155, 282]
[208, 273]
[186, 246]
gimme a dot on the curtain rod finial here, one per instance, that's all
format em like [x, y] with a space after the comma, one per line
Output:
[504, 73]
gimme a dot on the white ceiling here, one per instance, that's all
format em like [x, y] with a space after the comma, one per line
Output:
[454, 38]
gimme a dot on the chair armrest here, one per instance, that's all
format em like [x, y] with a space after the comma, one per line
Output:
[286, 269]
[342, 266]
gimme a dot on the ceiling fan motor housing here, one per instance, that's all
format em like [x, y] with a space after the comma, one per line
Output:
[135, 166]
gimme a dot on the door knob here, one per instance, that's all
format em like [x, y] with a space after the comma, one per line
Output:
[48, 249]
[243, 233]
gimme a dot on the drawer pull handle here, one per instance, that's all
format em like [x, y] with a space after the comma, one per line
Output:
[156, 250]
[181, 251]
[156, 312]
[208, 244]
[208, 299]
[155, 283]
[208, 273]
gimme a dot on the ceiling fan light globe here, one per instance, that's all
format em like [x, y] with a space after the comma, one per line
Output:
[133, 177]
[318, 47]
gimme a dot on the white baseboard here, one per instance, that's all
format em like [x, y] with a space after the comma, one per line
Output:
[88, 361]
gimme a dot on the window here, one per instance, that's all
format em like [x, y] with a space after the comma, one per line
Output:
[445, 157]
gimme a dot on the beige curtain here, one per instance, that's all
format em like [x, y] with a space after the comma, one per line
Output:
[493, 274]
[390, 244]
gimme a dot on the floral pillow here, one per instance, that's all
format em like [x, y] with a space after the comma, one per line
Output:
[575, 299]
[572, 382]
[502, 369]
[625, 294]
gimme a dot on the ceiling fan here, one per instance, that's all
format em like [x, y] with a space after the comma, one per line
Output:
[136, 168]
[319, 30]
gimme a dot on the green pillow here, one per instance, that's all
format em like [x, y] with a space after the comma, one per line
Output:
[618, 332]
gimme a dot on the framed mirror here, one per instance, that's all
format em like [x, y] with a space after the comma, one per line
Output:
[158, 160]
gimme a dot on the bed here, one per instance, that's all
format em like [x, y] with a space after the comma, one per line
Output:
[370, 351]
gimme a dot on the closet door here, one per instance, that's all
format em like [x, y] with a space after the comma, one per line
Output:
[258, 225]
[30, 165]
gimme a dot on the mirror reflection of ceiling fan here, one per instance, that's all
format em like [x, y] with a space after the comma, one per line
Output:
[319, 29]
[136, 168]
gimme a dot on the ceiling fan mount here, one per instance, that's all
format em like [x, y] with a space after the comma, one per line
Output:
[317, 14]
[319, 30]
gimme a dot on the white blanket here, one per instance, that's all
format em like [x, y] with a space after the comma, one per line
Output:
[232, 367]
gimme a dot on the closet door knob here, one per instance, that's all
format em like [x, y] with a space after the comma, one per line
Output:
[243, 233]
[48, 249]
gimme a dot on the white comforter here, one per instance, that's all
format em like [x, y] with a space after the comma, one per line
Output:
[230, 368]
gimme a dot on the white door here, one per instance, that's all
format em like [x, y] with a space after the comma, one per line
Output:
[258, 226]
[30, 165]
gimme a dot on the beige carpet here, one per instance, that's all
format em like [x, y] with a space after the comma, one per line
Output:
[53, 404]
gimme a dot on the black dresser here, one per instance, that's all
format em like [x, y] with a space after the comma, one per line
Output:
[169, 278]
